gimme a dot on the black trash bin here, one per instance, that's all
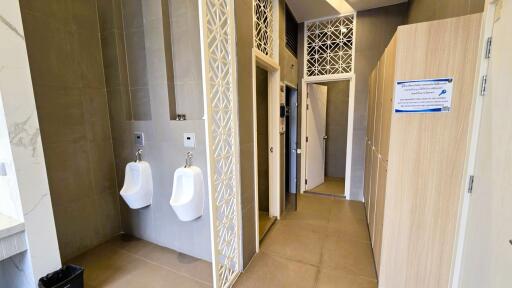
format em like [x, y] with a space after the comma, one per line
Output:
[69, 276]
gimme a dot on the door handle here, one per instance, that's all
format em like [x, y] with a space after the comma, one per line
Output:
[325, 138]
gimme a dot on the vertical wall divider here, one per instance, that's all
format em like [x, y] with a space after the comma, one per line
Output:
[218, 52]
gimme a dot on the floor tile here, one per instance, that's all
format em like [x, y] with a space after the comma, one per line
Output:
[340, 279]
[355, 257]
[297, 241]
[267, 270]
[331, 186]
[325, 242]
[131, 262]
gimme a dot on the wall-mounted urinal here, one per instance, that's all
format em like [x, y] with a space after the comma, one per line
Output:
[187, 198]
[137, 190]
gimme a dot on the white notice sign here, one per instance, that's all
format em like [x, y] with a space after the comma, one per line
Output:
[423, 96]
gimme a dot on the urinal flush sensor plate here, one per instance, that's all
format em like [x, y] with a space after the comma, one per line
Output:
[138, 138]
[189, 140]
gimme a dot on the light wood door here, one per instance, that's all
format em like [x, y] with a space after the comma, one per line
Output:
[388, 86]
[373, 192]
[379, 211]
[487, 260]
[371, 105]
[427, 156]
[378, 102]
[316, 132]
[367, 177]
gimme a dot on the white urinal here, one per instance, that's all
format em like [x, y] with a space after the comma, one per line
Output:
[137, 191]
[187, 193]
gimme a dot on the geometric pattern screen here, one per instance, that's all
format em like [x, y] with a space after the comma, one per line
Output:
[222, 135]
[263, 23]
[329, 44]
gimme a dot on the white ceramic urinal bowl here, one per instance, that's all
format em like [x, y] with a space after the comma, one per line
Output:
[137, 191]
[188, 193]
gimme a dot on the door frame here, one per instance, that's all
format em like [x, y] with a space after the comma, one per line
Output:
[272, 67]
[350, 126]
[485, 33]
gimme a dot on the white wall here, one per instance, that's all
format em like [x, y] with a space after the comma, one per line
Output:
[27, 152]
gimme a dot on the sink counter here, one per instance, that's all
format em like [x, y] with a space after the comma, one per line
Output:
[12, 237]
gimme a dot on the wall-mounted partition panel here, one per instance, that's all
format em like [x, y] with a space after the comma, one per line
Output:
[419, 181]
[220, 93]
[329, 45]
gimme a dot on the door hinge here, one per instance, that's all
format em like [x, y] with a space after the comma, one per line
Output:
[488, 46]
[306, 181]
[470, 184]
[483, 86]
[307, 106]
[307, 139]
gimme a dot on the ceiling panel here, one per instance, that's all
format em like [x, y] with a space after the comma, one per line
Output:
[313, 9]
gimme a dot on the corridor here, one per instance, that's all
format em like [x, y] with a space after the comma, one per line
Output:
[325, 243]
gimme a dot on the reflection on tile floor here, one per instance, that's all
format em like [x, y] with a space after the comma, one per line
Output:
[331, 186]
[131, 262]
[325, 243]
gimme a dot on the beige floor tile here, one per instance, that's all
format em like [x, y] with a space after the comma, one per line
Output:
[311, 209]
[354, 257]
[354, 229]
[326, 228]
[331, 186]
[297, 241]
[130, 262]
[340, 279]
[346, 209]
[271, 271]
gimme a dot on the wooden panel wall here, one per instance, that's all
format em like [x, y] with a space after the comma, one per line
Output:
[427, 156]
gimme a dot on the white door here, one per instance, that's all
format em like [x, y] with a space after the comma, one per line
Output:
[316, 117]
[487, 258]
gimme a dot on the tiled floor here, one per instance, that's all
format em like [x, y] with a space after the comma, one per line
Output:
[130, 262]
[265, 222]
[331, 186]
[325, 243]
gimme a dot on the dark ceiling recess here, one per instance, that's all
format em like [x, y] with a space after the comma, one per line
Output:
[292, 32]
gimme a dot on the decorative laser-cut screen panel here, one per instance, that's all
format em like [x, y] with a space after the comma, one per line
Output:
[263, 23]
[223, 148]
[329, 46]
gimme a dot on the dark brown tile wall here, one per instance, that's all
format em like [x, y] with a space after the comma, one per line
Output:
[64, 49]
[428, 10]
[244, 35]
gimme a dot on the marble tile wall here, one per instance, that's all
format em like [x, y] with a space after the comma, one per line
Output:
[163, 138]
[27, 155]
[65, 57]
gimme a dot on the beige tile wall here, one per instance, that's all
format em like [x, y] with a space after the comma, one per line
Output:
[64, 49]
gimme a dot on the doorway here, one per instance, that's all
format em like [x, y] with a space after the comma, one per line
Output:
[327, 109]
[291, 145]
[264, 149]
